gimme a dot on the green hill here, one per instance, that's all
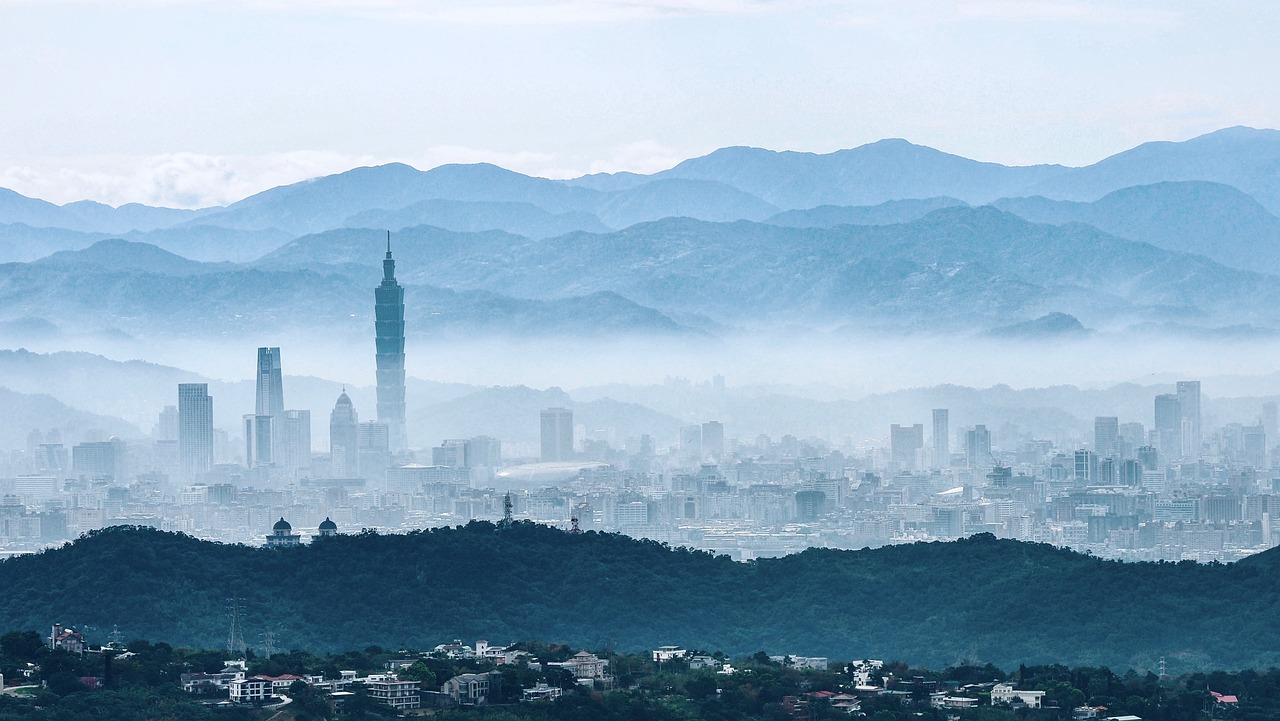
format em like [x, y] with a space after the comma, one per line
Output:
[992, 600]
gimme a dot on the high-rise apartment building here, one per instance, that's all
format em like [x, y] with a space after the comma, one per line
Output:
[195, 430]
[941, 438]
[344, 449]
[389, 326]
[557, 434]
[1189, 402]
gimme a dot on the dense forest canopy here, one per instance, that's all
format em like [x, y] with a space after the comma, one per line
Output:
[938, 604]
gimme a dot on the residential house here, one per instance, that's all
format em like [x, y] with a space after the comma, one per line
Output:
[389, 690]
[472, 689]
[1004, 693]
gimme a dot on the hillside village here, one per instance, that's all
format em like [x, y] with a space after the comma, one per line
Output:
[457, 677]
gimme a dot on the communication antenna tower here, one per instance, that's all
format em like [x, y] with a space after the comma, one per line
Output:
[506, 510]
[575, 528]
[1162, 668]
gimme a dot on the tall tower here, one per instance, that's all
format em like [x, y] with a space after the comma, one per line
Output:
[195, 430]
[389, 324]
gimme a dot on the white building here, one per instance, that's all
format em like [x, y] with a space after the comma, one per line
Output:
[1004, 693]
[388, 689]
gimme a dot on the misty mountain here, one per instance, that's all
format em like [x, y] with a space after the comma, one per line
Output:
[21, 243]
[867, 175]
[25, 412]
[118, 285]
[1210, 219]
[932, 603]
[701, 199]
[324, 203]
[1245, 158]
[477, 216]
[124, 255]
[1052, 325]
[327, 203]
[87, 215]
[887, 213]
[955, 268]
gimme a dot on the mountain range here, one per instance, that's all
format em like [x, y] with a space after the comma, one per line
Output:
[886, 236]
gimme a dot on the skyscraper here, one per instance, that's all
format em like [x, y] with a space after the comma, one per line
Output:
[268, 410]
[1106, 436]
[557, 434]
[389, 325]
[1168, 425]
[195, 430]
[344, 448]
[1189, 401]
[941, 438]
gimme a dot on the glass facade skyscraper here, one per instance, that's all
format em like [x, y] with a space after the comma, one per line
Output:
[389, 325]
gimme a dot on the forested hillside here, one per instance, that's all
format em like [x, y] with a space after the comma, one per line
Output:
[980, 599]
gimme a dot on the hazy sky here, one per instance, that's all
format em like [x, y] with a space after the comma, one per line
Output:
[183, 102]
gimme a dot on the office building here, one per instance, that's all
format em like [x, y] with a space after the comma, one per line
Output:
[258, 440]
[977, 447]
[941, 438]
[195, 430]
[269, 406]
[557, 434]
[905, 443]
[1106, 436]
[373, 449]
[1168, 425]
[344, 450]
[295, 441]
[389, 340]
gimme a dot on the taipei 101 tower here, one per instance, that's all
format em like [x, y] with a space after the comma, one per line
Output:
[389, 322]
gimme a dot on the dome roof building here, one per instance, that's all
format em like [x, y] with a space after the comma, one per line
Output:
[328, 528]
[282, 535]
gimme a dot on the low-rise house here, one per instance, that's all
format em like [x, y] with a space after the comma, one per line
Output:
[67, 639]
[541, 692]
[700, 662]
[472, 689]
[1005, 693]
[389, 690]
[668, 653]
[257, 689]
[211, 682]
[454, 650]
[585, 667]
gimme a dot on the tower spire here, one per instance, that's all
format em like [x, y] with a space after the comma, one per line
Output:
[388, 244]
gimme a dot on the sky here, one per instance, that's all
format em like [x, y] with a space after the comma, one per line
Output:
[189, 103]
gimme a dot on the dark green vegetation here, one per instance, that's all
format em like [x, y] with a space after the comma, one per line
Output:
[999, 601]
[145, 685]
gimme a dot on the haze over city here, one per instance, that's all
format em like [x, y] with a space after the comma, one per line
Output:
[706, 356]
